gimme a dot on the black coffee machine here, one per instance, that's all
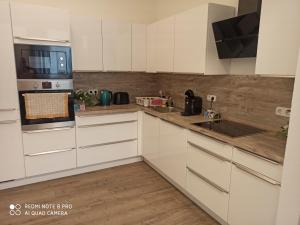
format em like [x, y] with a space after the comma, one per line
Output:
[193, 104]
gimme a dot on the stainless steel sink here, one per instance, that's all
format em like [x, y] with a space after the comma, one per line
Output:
[165, 109]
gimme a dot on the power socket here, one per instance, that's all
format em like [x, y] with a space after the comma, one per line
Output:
[283, 111]
[211, 98]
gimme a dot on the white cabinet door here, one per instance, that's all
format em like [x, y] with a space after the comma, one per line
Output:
[116, 46]
[139, 47]
[40, 22]
[8, 81]
[12, 158]
[164, 41]
[151, 48]
[173, 152]
[86, 43]
[253, 200]
[190, 40]
[150, 138]
[279, 37]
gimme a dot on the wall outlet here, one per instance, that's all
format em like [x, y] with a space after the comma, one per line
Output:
[93, 92]
[282, 111]
[211, 97]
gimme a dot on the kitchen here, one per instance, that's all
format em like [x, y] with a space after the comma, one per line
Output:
[149, 112]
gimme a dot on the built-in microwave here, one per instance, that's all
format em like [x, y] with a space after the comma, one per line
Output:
[43, 61]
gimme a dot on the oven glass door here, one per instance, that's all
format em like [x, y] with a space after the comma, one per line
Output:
[44, 123]
[43, 62]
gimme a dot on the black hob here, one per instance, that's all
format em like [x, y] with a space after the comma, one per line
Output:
[230, 128]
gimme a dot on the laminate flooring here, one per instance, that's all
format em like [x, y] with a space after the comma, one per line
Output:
[132, 194]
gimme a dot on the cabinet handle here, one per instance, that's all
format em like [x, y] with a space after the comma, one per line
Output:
[257, 156]
[256, 174]
[105, 124]
[209, 152]
[48, 130]
[51, 152]
[8, 121]
[108, 143]
[7, 110]
[42, 39]
[207, 181]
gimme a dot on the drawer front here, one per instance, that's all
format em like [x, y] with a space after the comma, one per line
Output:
[48, 140]
[8, 114]
[208, 195]
[99, 134]
[105, 119]
[214, 168]
[106, 153]
[50, 162]
[212, 145]
[264, 166]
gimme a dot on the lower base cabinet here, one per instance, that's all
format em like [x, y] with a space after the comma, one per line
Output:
[253, 200]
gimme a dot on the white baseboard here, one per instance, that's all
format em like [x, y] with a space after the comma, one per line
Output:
[66, 173]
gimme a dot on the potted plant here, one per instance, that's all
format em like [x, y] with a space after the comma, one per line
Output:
[82, 99]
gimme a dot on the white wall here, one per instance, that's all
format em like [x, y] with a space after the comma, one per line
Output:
[289, 202]
[139, 11]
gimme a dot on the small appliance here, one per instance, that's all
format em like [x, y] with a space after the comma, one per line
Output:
[193, 104]
[121, 98]
[105, 97]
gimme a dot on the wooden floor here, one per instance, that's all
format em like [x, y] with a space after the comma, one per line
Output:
[125, 195]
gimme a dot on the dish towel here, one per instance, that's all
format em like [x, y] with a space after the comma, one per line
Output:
[46, 105]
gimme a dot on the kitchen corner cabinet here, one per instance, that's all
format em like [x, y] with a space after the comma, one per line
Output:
[279, 38]
[116, 46]
[86, 43]
[40, 22]
[195, 49]
[139, 47]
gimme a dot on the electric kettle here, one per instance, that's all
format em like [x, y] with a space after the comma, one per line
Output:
[105, 97]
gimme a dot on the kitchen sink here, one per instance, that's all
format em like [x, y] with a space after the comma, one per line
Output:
[165, 109]
[229, 128]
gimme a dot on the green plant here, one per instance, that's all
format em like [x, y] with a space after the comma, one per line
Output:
[84, 97]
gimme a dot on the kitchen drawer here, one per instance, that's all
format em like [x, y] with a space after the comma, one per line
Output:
[211, 166]
[259, 164]
[107, 152]
[216, 147]
[48, 162]
[101, 133]
[105, 119]
[48, 140]
[210, 196]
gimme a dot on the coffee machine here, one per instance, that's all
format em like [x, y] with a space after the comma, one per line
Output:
[193, 104]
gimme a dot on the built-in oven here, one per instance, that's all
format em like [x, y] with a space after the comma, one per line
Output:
[43, 61]
[46, 104]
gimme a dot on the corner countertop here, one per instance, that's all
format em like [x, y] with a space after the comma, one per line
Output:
[267, 144]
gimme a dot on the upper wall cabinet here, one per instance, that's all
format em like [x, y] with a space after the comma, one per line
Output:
[151, 31]
[139, 47]
[86, 44]
[279, 38]
[116, 46]
[164, 45]
[195, 48]
[34, 22]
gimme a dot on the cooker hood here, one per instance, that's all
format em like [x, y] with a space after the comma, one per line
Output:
[237, 37]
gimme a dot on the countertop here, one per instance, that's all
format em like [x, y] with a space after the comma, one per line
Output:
[266, 144]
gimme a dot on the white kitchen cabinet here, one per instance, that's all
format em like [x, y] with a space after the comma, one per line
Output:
[151, 48]
[139, 47]
[86, 43]
[40, 22]
[9, 104]
[164, 45]
[116, 46]
[150, 135]
[12, 159]
[279, 38]
[253, 200]
[172, 155]
[195, 49]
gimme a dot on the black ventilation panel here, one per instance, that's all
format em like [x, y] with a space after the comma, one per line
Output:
[249, 6]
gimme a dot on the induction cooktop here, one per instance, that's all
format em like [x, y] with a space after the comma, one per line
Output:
[230, 128]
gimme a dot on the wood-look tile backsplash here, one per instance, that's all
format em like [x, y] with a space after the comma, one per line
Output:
[252, 99]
